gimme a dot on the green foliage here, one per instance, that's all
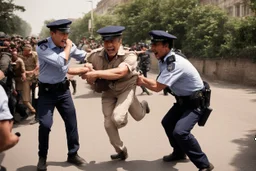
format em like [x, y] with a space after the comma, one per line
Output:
[253, 5]
[79, 27]
[206, 31]
[10, 23]
[45, 32]
[202, 31]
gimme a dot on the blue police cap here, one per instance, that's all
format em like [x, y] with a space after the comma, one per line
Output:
[110, 32]
[62, 25]
[160, 35]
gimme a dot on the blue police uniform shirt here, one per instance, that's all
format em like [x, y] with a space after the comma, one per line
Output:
[52, 64]
[183, 78]
[5, 113]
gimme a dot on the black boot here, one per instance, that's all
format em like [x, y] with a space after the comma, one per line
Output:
[41, 165]
[73, 83]
[174, 157]
[120, 156]
[209, 168]
[145, 105]
[76, 160]
[2, 168]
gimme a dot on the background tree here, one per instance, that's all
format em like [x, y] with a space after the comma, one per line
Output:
[7, 17]
[206, 31]
[45, 32]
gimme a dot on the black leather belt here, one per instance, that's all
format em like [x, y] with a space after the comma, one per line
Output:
[61, 86]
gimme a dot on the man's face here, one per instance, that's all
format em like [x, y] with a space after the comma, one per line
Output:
[27, 51]
[14, 55]
[59, 38]
[159, 49]
[112, 46]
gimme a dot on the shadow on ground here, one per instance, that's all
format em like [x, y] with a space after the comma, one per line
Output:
[1, 157]
[88, 95]
[245, 159]
[135, 165]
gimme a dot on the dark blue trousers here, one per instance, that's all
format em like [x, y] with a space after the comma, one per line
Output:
[47, 101]
[178, 123]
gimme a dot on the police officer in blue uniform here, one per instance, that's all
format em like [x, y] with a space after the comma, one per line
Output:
[185, 83]
[54, 55]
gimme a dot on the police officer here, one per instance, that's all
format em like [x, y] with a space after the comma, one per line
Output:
[54, 57]
[144, 63]
[118, 67]
[186, 85]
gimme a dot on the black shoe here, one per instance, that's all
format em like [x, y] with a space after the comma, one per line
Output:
[174, 157]
[209, 168]
[2, 168]
[120, 156]
[24, 118]
[76, 160]
[145, 104]
[41, 165]
[34, 121]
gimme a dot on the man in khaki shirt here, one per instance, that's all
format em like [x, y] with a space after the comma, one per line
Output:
[118, 67]
[31, 65]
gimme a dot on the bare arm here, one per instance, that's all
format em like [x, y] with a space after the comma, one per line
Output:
[1, 75]
[109, 74]
[150, 84]
[78, 71]
[8, 139]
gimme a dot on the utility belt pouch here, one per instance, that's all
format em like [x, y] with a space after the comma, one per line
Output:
[205, 115]
[207, 94]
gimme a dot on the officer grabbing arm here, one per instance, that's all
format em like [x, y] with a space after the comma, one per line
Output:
[185, 83]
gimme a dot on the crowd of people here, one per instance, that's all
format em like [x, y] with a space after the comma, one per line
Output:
[112, 70]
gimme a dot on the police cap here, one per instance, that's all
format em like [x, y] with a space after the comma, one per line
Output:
[62, 25]
[110, 32]
[160, 36]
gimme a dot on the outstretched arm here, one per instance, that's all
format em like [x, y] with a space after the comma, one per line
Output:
[78, 71]
[150, 84]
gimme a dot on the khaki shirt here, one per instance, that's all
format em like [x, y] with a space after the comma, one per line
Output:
[19, 68]
[30, 63]
[98, 58]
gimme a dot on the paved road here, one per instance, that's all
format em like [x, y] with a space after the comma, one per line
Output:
[227, 139]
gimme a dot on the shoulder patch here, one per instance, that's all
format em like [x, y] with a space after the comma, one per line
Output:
[171, 67]
[170, 63]
[41, 42]
[43, 47]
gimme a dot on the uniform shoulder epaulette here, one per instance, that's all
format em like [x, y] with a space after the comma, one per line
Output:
[42, 44]
[42, 41]
[96, 50]
[90, 54]
[178, 52]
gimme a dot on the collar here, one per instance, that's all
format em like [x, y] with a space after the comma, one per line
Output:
[164, 58]
[50, 43]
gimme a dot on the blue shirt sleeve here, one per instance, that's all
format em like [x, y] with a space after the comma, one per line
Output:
[168, 78]
[79, 55]
[49, 56]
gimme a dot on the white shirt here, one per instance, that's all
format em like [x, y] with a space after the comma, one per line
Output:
[5, 113]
